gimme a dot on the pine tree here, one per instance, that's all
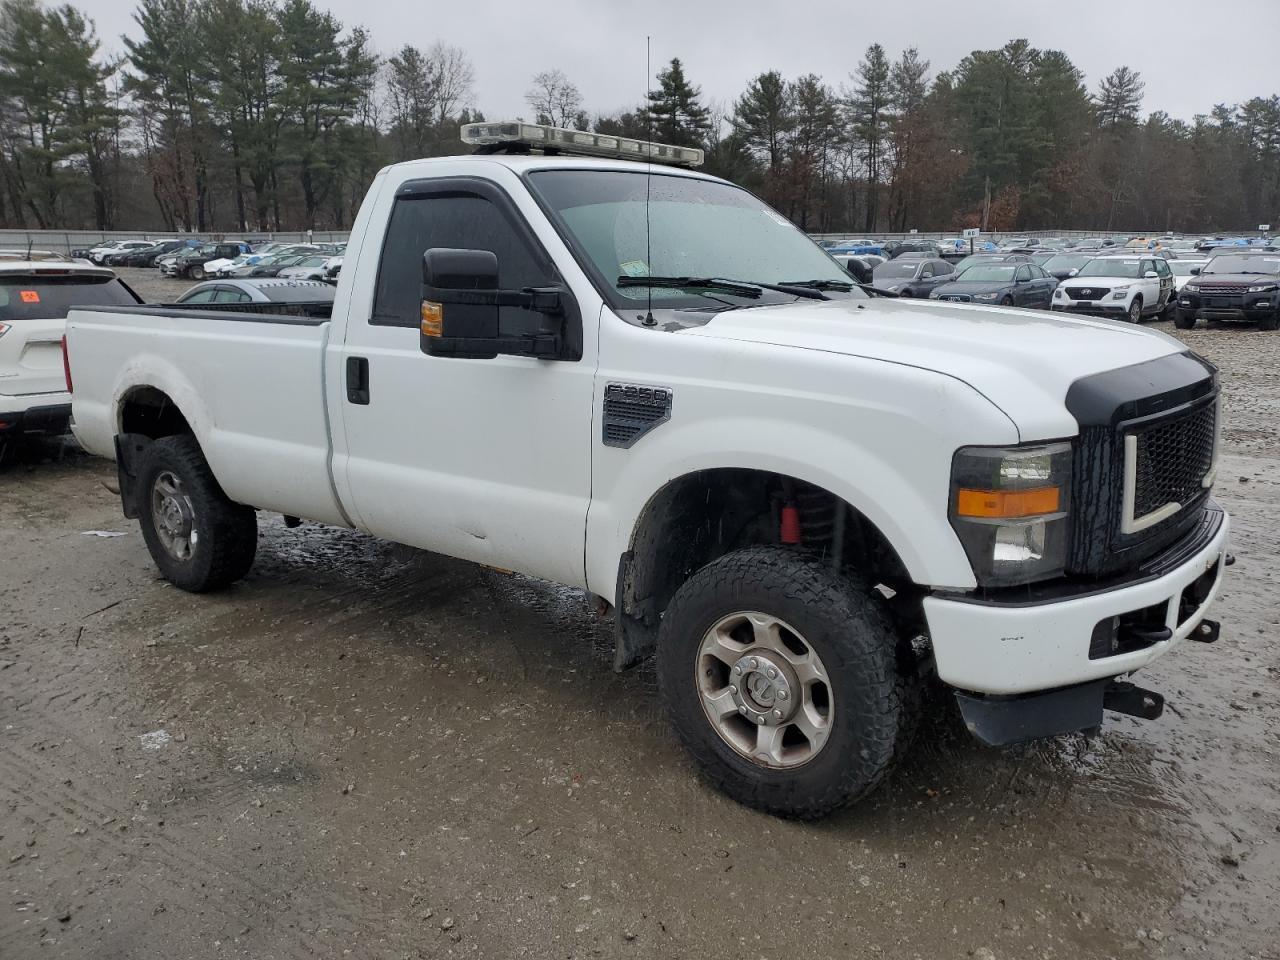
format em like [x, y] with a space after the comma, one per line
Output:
[674, 111]
[868, 114]
[763, 116]
[1119, 98]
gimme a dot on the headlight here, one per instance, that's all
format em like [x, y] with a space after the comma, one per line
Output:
[985, 296]
[1263, 288]
[1191, 287]
[1059, 295]
[1009, 507]
[1119, 293]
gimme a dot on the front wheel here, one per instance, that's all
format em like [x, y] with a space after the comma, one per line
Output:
[1007, 301]
[198, 537]
[1184, 320]
[1135, 310]
[1270, 323]
[782, 680]
[197, 272]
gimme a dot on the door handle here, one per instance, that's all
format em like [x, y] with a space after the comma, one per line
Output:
[358, 380]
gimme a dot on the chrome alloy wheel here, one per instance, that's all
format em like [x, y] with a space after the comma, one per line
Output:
[764, 689]
[174, 516]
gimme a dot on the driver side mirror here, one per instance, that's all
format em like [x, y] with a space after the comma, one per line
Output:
[1073, 271]
[1151, 275]
[1195, 271]
[461, 309]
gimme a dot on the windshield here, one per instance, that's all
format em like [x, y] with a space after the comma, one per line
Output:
[988, 273]
[1234, 264]
[1110, 268]
[1183, 268]
[695, 228]
[49, 298]
[1065, 262]
[895, 268]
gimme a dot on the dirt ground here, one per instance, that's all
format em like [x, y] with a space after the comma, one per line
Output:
[364, 751]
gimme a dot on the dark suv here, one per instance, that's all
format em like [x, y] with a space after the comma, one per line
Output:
[1233, 287]
[192, 264]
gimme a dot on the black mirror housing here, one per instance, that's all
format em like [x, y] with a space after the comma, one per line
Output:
[447, 268]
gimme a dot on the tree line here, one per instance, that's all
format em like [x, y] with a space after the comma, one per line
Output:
[258, 115]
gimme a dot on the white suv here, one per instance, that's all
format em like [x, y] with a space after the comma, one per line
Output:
[34, 298]
[1125, 287]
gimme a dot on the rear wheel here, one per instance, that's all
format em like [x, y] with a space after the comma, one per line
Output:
[1135, 311]
[197, 536]
[782, 680]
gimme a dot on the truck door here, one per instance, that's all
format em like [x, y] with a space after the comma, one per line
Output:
[483, 459]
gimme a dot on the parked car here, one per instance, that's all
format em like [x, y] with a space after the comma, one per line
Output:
[1060, 266]
[1130, 287]
[148, 256]
[308, 268]
[191, 262]
[991, 258]
[1233, 287]
[1184, 270]
[268, 266]
[899, 248]
[734, 458]
[35, 295]
[911, 277]
[1004, 284]
[333, 268]
[261, 290]
[856, 247]
[100, 253]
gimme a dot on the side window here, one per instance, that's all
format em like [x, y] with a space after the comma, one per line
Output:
[1162, 267]
[1147, 265]
[461, 220]
[228, 295]
[1024, 273]
[926, 272]
[201, 296]
[1040, 273]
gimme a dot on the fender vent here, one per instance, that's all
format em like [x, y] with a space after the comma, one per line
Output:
[631, 411]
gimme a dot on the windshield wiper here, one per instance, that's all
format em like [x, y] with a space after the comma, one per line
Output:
[745, 288]
[842, 285]
[751, 290]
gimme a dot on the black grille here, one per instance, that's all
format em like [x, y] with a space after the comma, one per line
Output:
[1173, 457]
[1087, 293]
[1223, 289]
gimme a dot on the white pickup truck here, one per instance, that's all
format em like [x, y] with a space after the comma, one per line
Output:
[803, 499]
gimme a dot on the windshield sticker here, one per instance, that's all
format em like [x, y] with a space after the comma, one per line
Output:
[634, 268]
[29, 296]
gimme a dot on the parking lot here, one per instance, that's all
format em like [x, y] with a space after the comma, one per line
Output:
[367, 751]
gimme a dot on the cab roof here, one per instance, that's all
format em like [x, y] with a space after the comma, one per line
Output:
[521, 164]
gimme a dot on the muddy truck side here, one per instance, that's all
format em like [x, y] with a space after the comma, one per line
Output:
[802, 499]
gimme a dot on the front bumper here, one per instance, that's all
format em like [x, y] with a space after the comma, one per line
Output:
[1008, 647]
[1248, 306]
[1092, 308]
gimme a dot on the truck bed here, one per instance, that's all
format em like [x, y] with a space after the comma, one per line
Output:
[250, 383]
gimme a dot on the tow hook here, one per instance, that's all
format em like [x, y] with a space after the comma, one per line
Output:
[1206, 631]
[1121, 696]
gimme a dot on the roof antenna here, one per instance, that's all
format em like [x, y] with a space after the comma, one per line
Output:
[649, 320]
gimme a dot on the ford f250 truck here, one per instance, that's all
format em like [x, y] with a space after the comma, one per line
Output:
[801, 498]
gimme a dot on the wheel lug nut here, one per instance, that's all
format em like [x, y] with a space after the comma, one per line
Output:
[738, 669]
[742, 709]
[759, 719]
[733, 688]
[754, 663]
[778, 714]
[772, 673]
[782, 694]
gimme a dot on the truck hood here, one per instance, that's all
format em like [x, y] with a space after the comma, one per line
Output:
[1023, 361]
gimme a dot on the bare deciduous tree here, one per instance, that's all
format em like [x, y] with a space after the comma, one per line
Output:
[555, 99]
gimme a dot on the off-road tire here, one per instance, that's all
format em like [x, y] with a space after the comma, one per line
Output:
[844, 622]
[227, 531]
[1184, 321]
[1270, 323]
[1134, 314]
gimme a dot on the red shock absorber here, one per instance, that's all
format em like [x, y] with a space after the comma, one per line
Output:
[789, 530]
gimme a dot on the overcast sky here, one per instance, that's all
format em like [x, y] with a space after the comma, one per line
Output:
[1192, 53]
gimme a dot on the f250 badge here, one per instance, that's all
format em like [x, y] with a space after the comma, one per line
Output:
[631, 410]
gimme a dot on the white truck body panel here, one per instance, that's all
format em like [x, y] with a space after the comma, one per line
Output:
[501, 461]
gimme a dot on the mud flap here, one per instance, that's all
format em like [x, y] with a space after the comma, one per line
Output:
[129, 448]
[635, 638]
[1003, 721]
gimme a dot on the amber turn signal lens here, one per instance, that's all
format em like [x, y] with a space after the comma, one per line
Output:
[1004, 504]
[432, 319]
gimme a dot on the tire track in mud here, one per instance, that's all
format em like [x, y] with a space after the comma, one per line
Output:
[189, 873]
